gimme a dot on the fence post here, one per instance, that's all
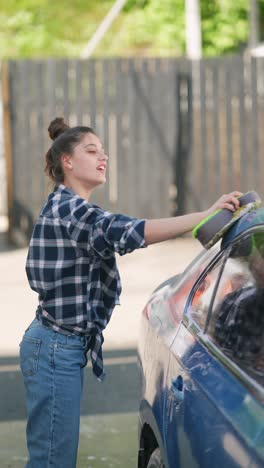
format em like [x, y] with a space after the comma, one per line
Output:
[184, 138]
[7, 143]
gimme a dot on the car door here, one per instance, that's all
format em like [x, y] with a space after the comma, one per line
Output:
[160, 320]
[259, 446]
[214, 407]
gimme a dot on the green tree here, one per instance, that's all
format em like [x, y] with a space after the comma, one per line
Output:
[33, 28]
[224, 26]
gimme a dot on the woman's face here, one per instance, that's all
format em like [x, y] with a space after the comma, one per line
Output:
[88, 163]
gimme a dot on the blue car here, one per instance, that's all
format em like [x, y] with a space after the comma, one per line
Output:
[201, 355]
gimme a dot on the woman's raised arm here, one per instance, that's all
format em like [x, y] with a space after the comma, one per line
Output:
[158, 230]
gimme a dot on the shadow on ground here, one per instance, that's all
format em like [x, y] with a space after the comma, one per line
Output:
[119, 393]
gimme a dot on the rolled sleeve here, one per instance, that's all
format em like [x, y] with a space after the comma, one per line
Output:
[118, 233]
[104, 232]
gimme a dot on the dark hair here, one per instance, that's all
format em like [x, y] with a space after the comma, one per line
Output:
[65, 140]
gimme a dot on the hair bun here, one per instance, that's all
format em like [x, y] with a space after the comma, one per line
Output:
[57, 127]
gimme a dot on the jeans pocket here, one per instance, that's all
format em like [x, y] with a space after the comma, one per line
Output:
[69, 356]
[29, 355]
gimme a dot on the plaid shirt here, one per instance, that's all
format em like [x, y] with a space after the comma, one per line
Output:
[71, 264]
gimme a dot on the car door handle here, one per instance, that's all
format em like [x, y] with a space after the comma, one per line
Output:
[177, 388]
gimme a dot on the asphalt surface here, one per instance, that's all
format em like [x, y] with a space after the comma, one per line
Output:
[109, 418]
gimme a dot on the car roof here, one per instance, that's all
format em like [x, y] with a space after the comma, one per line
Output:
[249, 220]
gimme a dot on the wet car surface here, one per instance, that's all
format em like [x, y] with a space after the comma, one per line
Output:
[201, 353]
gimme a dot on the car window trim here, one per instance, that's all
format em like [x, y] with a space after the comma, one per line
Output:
[226, 254]
[210, 308]
[222, 253]
[199, 280]
[184, 273]
[252, 385]
[187, 319]
[249, 382]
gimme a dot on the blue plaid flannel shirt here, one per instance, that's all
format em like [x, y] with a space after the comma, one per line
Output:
[71, 264]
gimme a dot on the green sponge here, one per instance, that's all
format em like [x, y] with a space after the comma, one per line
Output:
[214, 226]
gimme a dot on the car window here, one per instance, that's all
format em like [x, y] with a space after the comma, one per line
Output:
[237, 318]
[165, 310]
[203, 294]
[184, 285]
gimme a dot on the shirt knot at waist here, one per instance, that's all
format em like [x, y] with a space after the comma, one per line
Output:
[94, 345]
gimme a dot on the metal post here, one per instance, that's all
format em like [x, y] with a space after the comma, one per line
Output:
[103, 28]
[184, 138]
[193, 29]
[253, 23]
[7, 143]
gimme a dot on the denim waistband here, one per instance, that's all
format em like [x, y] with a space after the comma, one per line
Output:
[63, 338]
[89, 342]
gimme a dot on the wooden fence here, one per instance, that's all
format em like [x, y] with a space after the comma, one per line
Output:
[178, 133]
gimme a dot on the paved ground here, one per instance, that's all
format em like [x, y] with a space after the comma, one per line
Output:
[109, 410]
[116, 434]
[108, 434]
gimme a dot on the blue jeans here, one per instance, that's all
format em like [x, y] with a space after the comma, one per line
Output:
[52, 366]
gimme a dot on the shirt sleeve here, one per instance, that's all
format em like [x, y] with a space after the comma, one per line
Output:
[106, 232]
[119, 233]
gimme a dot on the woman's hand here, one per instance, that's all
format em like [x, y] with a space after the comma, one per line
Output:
[229, 201]
[158, 230]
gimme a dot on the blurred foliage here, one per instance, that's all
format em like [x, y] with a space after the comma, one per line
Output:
[225, 25]
[37, 28]
[31, 28]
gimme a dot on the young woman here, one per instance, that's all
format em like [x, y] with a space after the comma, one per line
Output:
[71, 265]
